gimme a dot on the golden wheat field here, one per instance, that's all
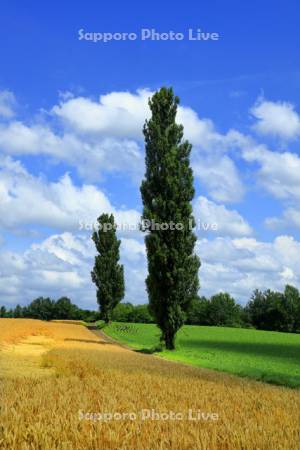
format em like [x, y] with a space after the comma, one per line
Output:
[53, 374]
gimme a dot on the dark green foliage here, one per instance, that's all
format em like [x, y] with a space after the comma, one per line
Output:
[292, 306]
[64, 309]
[126, 312]
[220, 310]
[88, 316]
[167, 192]
[40, 308]
[47, 309]
[108, 274]
[141, 314]
[123, 312]
[2, 311]
[271, 310]
[18, 313]
[267, 310]
[245, 317]
[223, 310]
[198, 312]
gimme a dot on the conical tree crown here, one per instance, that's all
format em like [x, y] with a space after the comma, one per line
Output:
[167, 191]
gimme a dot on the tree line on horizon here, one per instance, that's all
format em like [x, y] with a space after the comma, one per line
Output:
[266, 310]
[45, 308]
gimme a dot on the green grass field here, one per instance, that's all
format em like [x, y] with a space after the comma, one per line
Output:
[263, 355]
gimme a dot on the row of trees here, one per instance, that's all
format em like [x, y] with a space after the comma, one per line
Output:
[271, 310]
[126, 312]
[44, 308]
[268, 310]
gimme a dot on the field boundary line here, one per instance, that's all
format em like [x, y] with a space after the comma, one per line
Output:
[108, 339]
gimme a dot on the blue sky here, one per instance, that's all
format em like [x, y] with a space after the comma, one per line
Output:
[71, 113]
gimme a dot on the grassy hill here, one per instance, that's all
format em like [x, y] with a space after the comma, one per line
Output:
[263, 355]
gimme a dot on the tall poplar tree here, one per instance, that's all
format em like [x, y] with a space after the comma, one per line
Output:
[108, 274]
[167, 192]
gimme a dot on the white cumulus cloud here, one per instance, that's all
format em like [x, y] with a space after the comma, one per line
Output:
[276, 118]
[29, 200]
[7, 104]
[229, 222]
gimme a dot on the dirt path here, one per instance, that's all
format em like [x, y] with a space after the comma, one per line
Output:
[94, 329]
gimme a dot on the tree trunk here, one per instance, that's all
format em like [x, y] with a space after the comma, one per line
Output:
[170, 340]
